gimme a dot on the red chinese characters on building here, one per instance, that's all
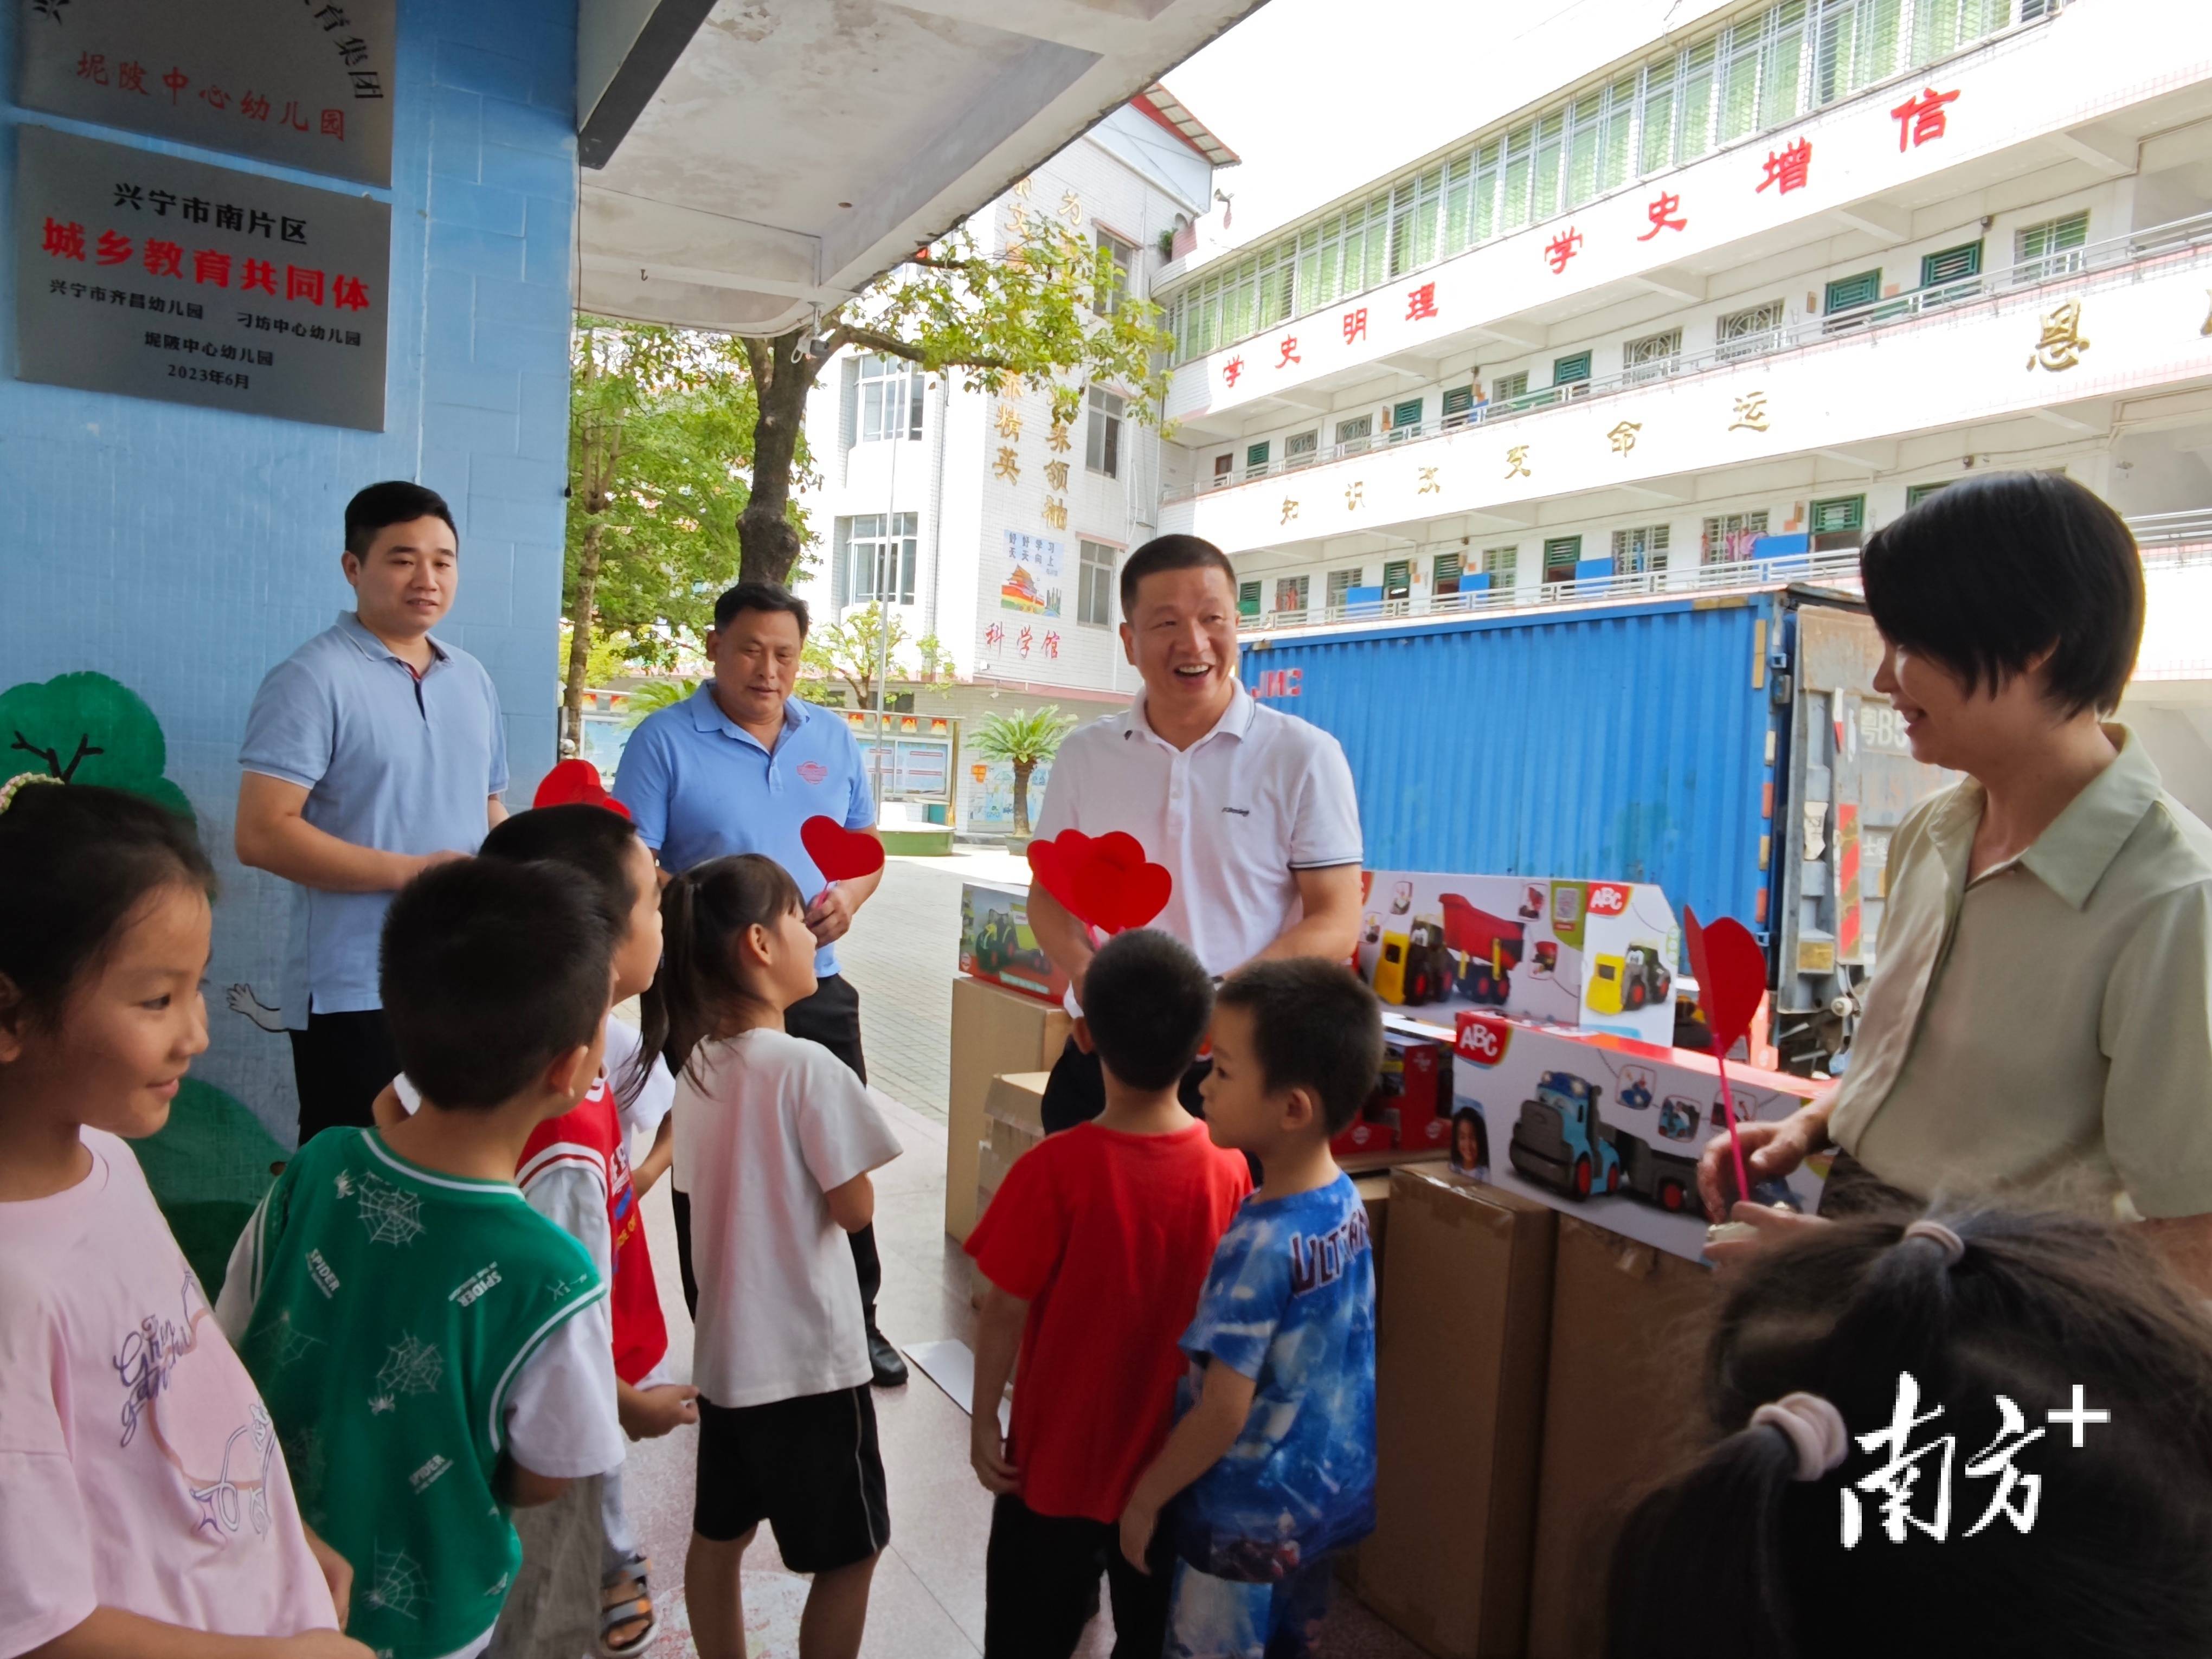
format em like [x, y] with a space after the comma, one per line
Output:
[163, 258]
[1290, 348]
[261, 274]
[303, 284]
[209, 266]
[1562, 248]
[1355, 325]
[113, 250]
[1921, 120]
[1421, 303]
[1232, 369]
[65, 241]
[1022, 643]
[1788, 168]
[1662, 212]
[995, 635]
[1051, 647]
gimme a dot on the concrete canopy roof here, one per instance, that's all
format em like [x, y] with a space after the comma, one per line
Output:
[749, 160]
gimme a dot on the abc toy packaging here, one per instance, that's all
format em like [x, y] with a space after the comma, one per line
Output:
[1608, 1129]
[1412, 1102]
[996, 944]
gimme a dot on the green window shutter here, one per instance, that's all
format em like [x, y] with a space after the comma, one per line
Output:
[1838, 512]
[1952, 264]
[1406, 414]
[1566, 371]
[1848, 292]
[1916, 493]
[1447, 570]
[1397, 578]
[1256, 456]
[1248, 598]
[1458, 400]
[1561, 554]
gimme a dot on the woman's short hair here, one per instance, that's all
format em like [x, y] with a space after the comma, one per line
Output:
[1989, 573]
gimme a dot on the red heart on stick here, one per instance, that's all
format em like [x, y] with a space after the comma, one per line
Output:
[1106, 883]
[838, 852]
[575, 783]
[1731, 972]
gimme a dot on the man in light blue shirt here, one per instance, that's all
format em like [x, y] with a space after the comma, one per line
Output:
[372, 752]
[738, 767]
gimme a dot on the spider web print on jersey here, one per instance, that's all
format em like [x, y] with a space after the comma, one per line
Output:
[392, 1215]
[401, 1585]
[412, 1366]
[292, 1345]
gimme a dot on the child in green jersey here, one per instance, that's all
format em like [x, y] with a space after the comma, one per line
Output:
[433, 1351]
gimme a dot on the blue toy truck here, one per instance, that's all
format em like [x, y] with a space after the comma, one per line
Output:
[1558, 1142]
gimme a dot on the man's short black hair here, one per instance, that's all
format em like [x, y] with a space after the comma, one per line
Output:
[760, 596]
[1148, 1003]
[1315, 1026]
[1987, 573]
[393, 502]
[491, 971]
[1170, 553]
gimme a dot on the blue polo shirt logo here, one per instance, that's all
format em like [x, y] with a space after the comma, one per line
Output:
[813, 771]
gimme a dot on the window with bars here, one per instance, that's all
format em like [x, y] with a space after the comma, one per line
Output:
[2049, 249]
[1094, 595]
[1255, 460]
[1652, 356]
[1759, 74]
[1299, 449]
[1850, 293]
[1916, 493]
[1837, 516]
[1225, 468]
[1459, 405]
[1635, 551]
[1729, 536]
[885, 398]
[1398, 579]
[1102, 438]
[1115, 259]
[1444, 574]
[1747, 332]
[1502, 566]
[1569, 371]
[1952, 264]
[868, 560]
[1248, 598]
[1356, 435]
[1341, 582]
[1561, 554]
[1405, 421]
[1291, 595]
[1509, 385]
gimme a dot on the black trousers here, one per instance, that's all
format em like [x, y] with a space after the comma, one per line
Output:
[831, 1017]
[1041, 1581]
[340, 1064]
[1076, 1092]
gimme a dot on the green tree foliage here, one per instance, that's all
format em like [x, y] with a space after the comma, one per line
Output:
[87, 728]
[661, 430]
[852, 650]
[1022, 740]
[1041, 312]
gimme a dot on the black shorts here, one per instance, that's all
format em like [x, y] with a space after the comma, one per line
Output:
[810, 1467]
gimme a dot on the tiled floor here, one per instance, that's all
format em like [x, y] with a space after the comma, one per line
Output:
[927, 1602]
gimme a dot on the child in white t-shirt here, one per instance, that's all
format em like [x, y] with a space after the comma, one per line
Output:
[145, 1503]
[774, 1138]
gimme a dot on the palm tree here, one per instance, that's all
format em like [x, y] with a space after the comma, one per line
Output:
[653, 696]
[1022, 740]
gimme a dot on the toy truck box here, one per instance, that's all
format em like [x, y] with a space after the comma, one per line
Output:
[1410, 1107]
[997, 945]
[1596, 955]
[1607, 1128]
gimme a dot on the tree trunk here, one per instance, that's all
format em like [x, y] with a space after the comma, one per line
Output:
[580, 642]
[1021, 770]
[768, 545]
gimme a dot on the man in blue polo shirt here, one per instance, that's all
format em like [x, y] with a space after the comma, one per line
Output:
[737, 767]
[372, 752]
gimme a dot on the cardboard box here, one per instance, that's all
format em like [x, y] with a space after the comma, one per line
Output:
[1621, 1407]
[1462, 1343]
[1608, 1127]
[993, 1031]
[996, 944]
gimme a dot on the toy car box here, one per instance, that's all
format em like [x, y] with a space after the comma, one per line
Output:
[997, 945]
[1409, 1109]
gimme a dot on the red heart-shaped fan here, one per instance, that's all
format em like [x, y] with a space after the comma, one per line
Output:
[1731, 972]
[1118, 888]
[575, 783]
[840, 854]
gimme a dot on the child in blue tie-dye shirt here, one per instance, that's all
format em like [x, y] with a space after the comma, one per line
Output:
[1272, 1466]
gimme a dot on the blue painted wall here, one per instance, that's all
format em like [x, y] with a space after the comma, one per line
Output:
[183, 551]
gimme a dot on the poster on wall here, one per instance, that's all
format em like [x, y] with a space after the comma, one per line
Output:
[304, 83]
[154, 277]
[1600, 955]
[1032, 584]
[1608, 1129]
[989, 793]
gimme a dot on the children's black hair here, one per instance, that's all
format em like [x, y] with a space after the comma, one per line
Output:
[76, 862]
[596, 844]
[1148, 1003]
[491, 971]
[1315, 1026]
[1990, 571]
[1736, 1559]
[703, 914]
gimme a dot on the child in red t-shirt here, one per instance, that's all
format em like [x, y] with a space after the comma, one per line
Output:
[1096, 1245]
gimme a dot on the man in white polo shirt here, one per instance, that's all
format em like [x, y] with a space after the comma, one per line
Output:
[1252, 812]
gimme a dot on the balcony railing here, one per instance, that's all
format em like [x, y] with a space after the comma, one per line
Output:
[2167, 539]
[2158, 242]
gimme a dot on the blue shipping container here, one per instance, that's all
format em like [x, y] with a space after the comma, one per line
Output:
[1629, 742]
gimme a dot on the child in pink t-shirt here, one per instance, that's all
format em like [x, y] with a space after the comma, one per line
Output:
[148, 1506]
